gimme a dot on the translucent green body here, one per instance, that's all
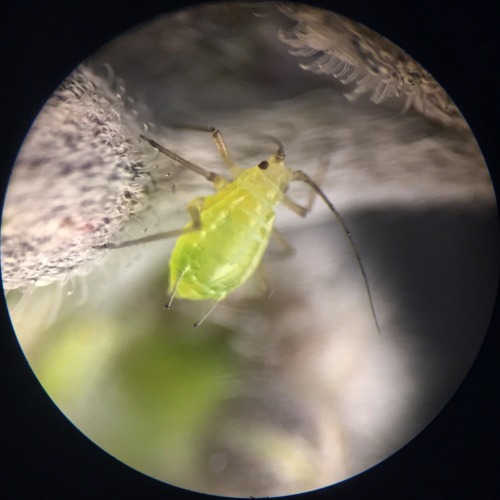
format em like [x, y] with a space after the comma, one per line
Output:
[236, 224]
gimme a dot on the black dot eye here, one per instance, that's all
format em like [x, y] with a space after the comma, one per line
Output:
[263, 165]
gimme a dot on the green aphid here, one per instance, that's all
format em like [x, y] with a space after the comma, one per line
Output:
[223, 244]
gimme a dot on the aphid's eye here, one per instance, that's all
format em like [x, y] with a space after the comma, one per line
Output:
[263, 165]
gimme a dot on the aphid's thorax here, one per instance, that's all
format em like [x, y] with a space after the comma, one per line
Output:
[267, 181]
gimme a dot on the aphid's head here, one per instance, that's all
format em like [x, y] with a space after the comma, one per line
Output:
[270, 178]
[274, 169]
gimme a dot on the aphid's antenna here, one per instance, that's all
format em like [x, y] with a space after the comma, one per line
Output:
[280, 154]
[298, 175]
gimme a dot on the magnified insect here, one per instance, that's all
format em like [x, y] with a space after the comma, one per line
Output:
[223, 244]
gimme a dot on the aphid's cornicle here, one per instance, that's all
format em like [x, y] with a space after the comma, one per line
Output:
[229, 231]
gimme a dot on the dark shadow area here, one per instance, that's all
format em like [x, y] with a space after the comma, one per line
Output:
[439, 269]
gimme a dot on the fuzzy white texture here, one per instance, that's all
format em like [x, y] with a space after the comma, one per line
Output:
[366, 63]
[77, 180]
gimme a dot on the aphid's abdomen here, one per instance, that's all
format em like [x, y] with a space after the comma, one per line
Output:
[236, 226]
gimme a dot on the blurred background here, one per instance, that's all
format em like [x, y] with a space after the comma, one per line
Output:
[272, 395]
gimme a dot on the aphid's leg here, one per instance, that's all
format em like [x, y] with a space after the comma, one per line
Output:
[194, 209]
[304, 210]
[224, 153]
[139, 241]
[295, 207]
[221, 147]
[206, 314]
[298, 175]
[174, 289]
[217, 180]
[264, 280]
[288, 249]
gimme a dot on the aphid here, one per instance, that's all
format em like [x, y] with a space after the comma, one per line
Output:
[223, 244]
